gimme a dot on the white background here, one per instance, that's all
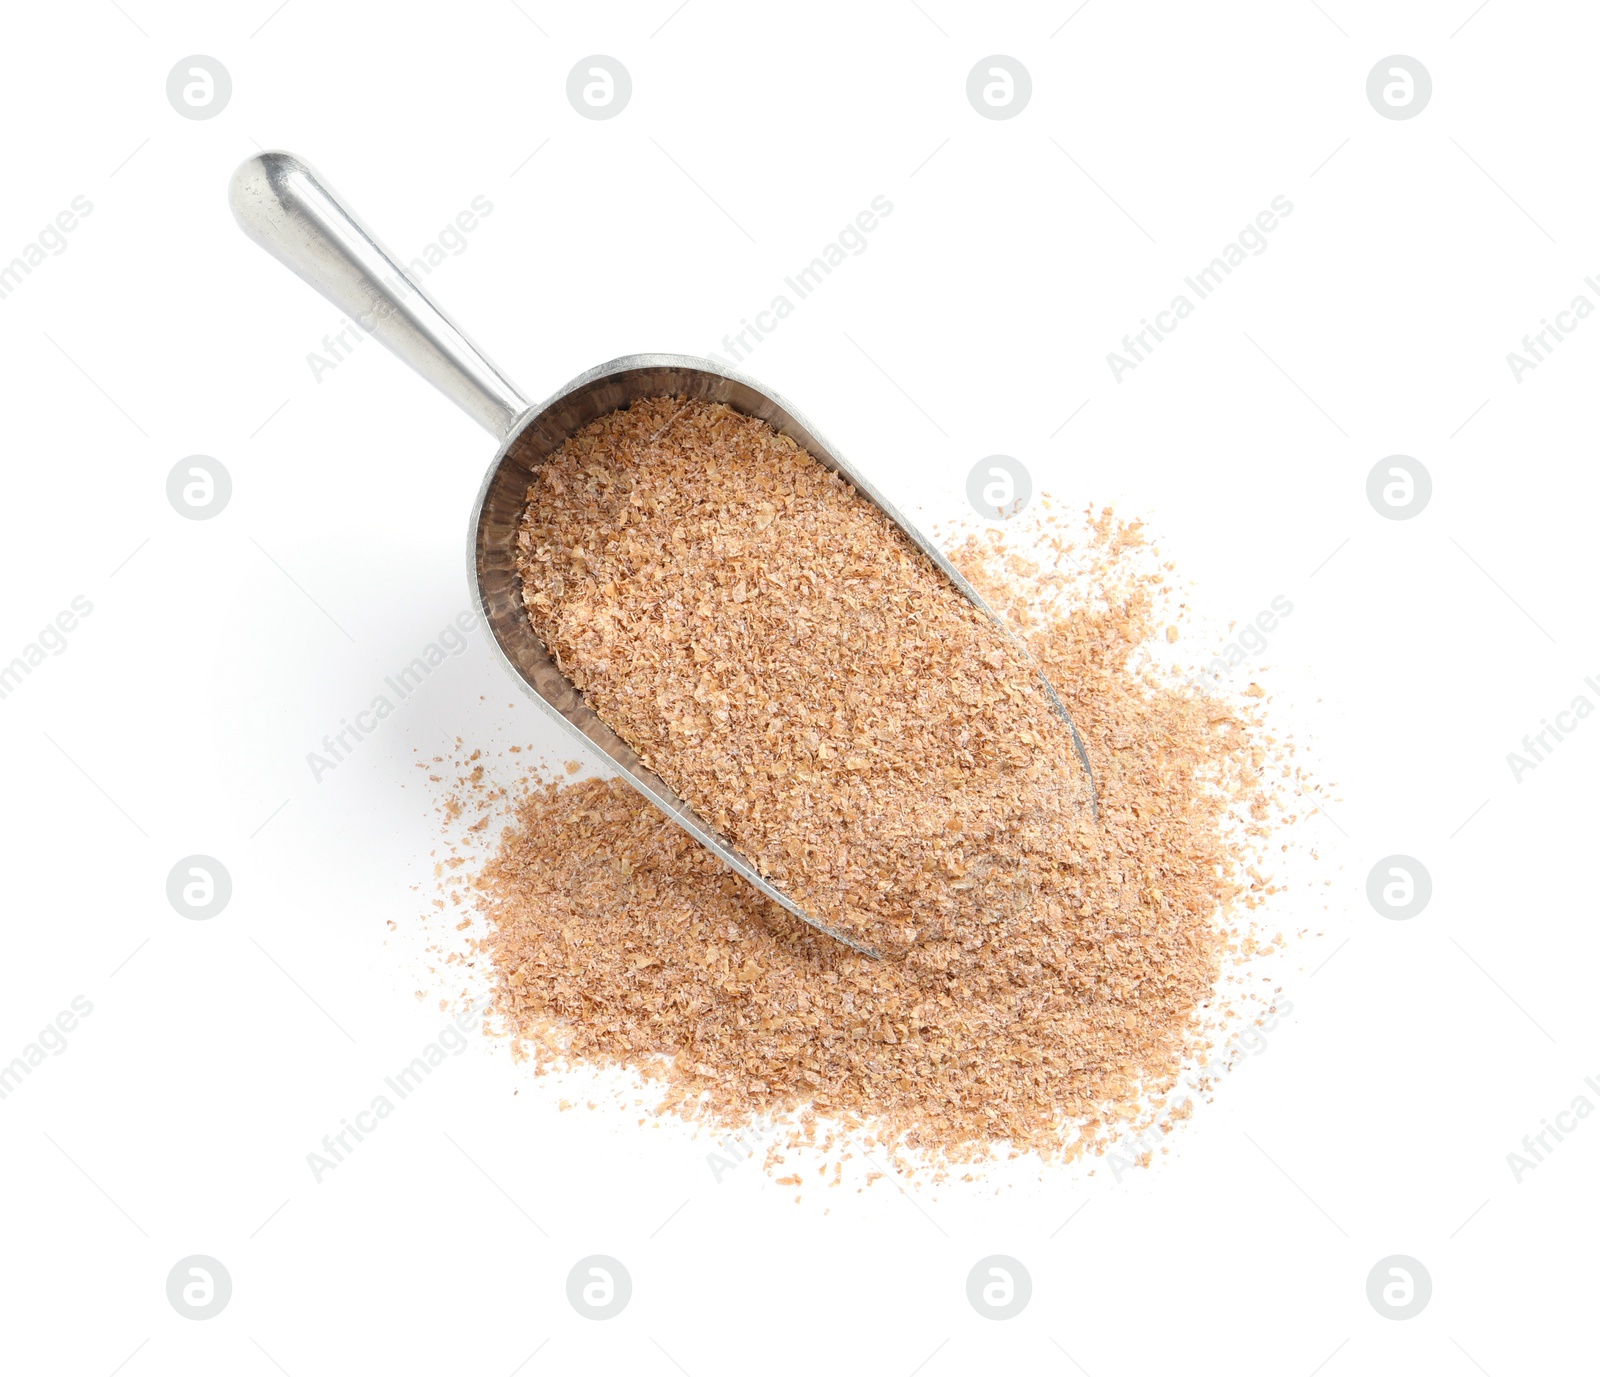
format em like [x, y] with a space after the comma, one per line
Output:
[177, 719]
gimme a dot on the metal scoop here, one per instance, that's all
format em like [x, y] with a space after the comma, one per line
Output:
[291, 212]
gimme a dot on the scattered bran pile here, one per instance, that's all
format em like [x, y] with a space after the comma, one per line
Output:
[792, 666]
[1047, 1025]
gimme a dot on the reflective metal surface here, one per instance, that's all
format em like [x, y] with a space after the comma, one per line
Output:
[285, 207]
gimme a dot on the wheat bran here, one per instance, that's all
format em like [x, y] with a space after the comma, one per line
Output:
[791, 665]
[612, 938]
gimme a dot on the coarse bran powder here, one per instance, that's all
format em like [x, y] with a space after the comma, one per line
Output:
[1052, 1025]
[792, 666]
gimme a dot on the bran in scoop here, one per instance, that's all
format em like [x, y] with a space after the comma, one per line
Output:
[799, 672]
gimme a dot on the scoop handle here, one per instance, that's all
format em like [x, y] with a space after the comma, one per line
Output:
[292, 213]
